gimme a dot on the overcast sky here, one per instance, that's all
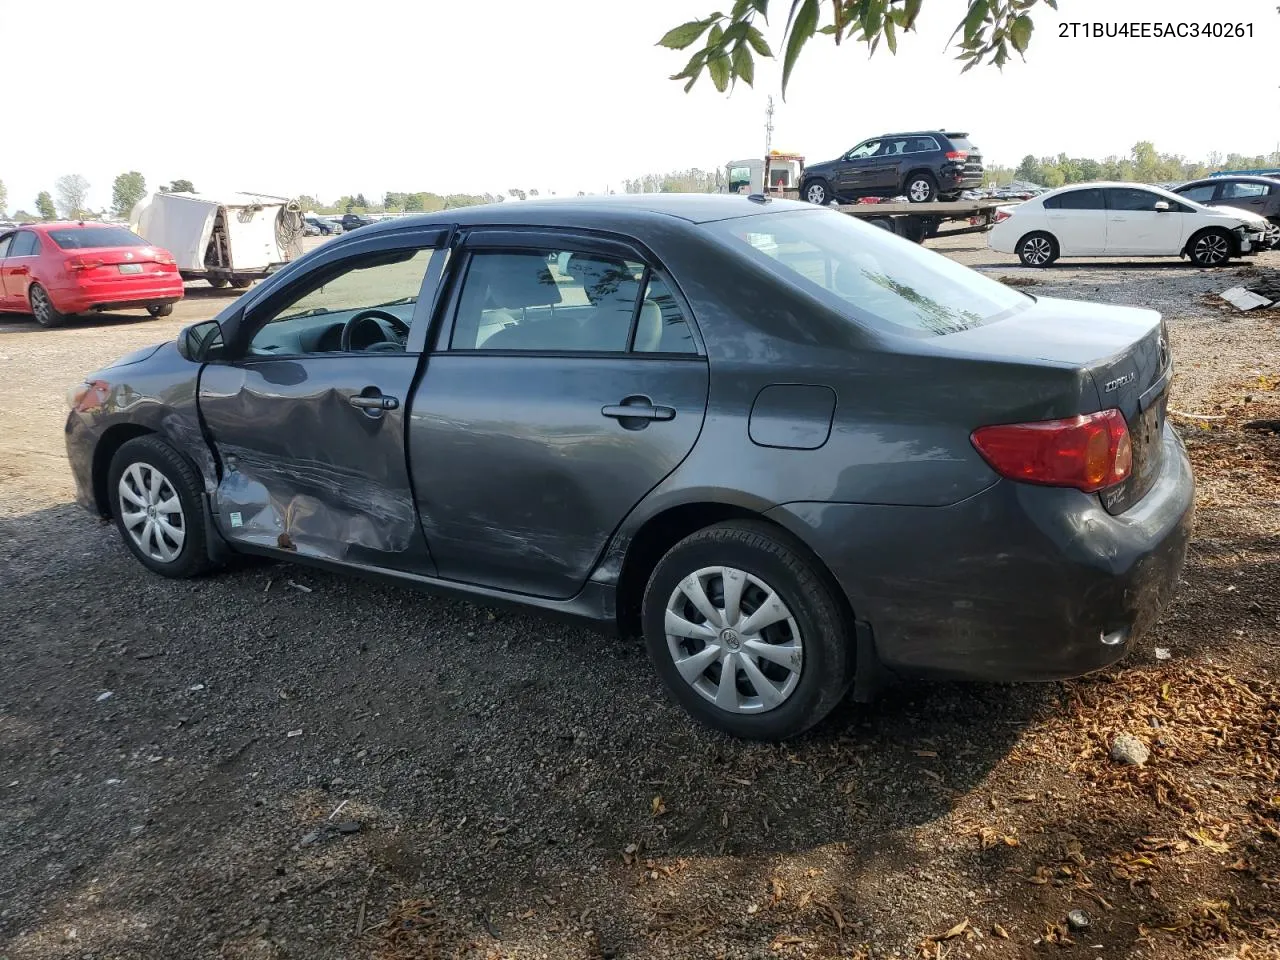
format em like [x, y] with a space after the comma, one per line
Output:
[566, 95]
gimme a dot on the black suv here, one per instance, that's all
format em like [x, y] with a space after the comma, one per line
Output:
[353, 221]
[926, 165]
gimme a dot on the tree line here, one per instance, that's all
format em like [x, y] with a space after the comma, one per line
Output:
[1144, 164]
[72, 191]
[395, 201]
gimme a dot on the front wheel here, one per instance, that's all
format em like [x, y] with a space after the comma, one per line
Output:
[42, 308]
[746, 633]
[242, 283]
[158, 310]
[155, 501]
[1212, 248]
[1037, 250]
[216, 282]
[817, 191]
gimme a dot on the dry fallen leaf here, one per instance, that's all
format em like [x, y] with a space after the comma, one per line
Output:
[999, 931]
[657, 807]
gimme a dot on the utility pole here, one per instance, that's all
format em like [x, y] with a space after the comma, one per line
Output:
[768, 141]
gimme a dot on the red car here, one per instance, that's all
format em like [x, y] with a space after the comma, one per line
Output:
[56, 270]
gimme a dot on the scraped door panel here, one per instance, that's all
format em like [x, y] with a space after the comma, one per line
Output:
[305, 470]
[523, 468]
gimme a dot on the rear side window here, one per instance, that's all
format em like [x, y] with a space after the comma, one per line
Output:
[1201, 194]
[4, 245]
[1075, 200]
[874, 278]
[25, 244]
[548, 301]
[81, 238]
[1244, 190]
[922, 145]
[661, 326]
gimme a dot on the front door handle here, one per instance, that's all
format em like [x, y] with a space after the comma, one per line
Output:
[371, 398]
[637, 409]
[20, 271]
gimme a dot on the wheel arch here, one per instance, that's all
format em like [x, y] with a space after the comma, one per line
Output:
[906, 179]
[112, 439]
[1232, 239]
[1057, 244]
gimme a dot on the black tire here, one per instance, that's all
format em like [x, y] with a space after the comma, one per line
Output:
[1213, 247]
[773, 558]
[160, 309]
[216, 282]
[42, 308]
[884, 223]
[817, 191]
[242, 283]
[921, 187]
[191, 558]
[1038, 249]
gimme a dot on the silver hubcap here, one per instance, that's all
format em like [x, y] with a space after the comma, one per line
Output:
[816, 193]
[39, 303]
[1037, 250]
[1212, 249]
[151, 512]
[733, 640]
[919, 190]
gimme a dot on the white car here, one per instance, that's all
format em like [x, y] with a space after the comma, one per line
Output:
[1123, 220]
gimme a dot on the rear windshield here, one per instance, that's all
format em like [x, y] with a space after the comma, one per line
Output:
[876, 279]
[960, 143]
[81, 238]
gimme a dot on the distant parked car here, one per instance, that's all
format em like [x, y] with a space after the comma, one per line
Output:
[924, 166]
[1123, 220]
[56, 270]
[711, 427]
[1260, 195]
[353, 221]
[321, 226]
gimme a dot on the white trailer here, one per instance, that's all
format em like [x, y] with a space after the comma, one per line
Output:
[223, 238]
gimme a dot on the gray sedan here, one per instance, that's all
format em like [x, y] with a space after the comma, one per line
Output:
[795, 452]
[1261, 195]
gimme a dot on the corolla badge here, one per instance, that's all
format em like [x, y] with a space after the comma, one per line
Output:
[1116, 384]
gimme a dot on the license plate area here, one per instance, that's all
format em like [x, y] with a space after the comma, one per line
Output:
[130, 268]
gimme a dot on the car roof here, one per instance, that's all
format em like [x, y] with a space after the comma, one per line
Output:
[615, 211]
[46, 226]
[1237, 178]
[937, 132]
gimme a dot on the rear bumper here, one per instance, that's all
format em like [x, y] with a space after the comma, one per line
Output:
[141, 291]
[1016, 583]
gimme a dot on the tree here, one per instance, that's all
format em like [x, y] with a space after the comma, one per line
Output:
[518, 194]
[1029, 170]
[412, 203]
[179, 186]
[988, 30]
[4, 198]
[393, 201]
[44, 206]
[126, 191]
[22, 216]
[361, 202]
[72, 190]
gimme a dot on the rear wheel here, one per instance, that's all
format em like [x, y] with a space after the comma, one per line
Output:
[746, 633]
[1210, 248]
[156, 505]
[242, 283]
[42, 308]
[1037, 250]
[817, 191]
[160, 309]
[922, 188]
[216, 282]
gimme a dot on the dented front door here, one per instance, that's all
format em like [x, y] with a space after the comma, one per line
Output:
[305, 469]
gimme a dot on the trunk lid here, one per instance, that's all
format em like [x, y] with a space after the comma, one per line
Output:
[1123, 350]
[109, 263]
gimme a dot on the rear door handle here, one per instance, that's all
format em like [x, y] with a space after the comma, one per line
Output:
[20, 271]
[375, 402]
[638, 408]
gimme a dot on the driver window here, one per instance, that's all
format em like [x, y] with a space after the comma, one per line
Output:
[863, 150]
[362, 305]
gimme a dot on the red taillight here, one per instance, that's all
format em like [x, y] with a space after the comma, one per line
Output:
[165, 258]
[1002, 215]
[957, 154]
[82, 263]
[1089, 452]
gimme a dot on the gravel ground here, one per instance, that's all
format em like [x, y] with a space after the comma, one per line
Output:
[274, 762]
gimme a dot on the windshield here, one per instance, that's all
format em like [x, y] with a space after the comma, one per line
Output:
[876, 279]
[81, 238]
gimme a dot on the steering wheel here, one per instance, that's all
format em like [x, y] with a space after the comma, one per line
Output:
[349, 328]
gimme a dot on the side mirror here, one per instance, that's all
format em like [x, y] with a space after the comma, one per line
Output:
[197, 341]
[1162, 206]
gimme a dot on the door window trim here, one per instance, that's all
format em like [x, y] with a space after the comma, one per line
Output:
[540, 240]
[243, 326]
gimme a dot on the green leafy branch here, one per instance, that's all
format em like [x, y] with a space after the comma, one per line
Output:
[730, 42]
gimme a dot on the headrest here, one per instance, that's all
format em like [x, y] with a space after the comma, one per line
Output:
[515, 280]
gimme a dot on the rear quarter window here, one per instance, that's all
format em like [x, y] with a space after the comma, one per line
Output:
[872, 277]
